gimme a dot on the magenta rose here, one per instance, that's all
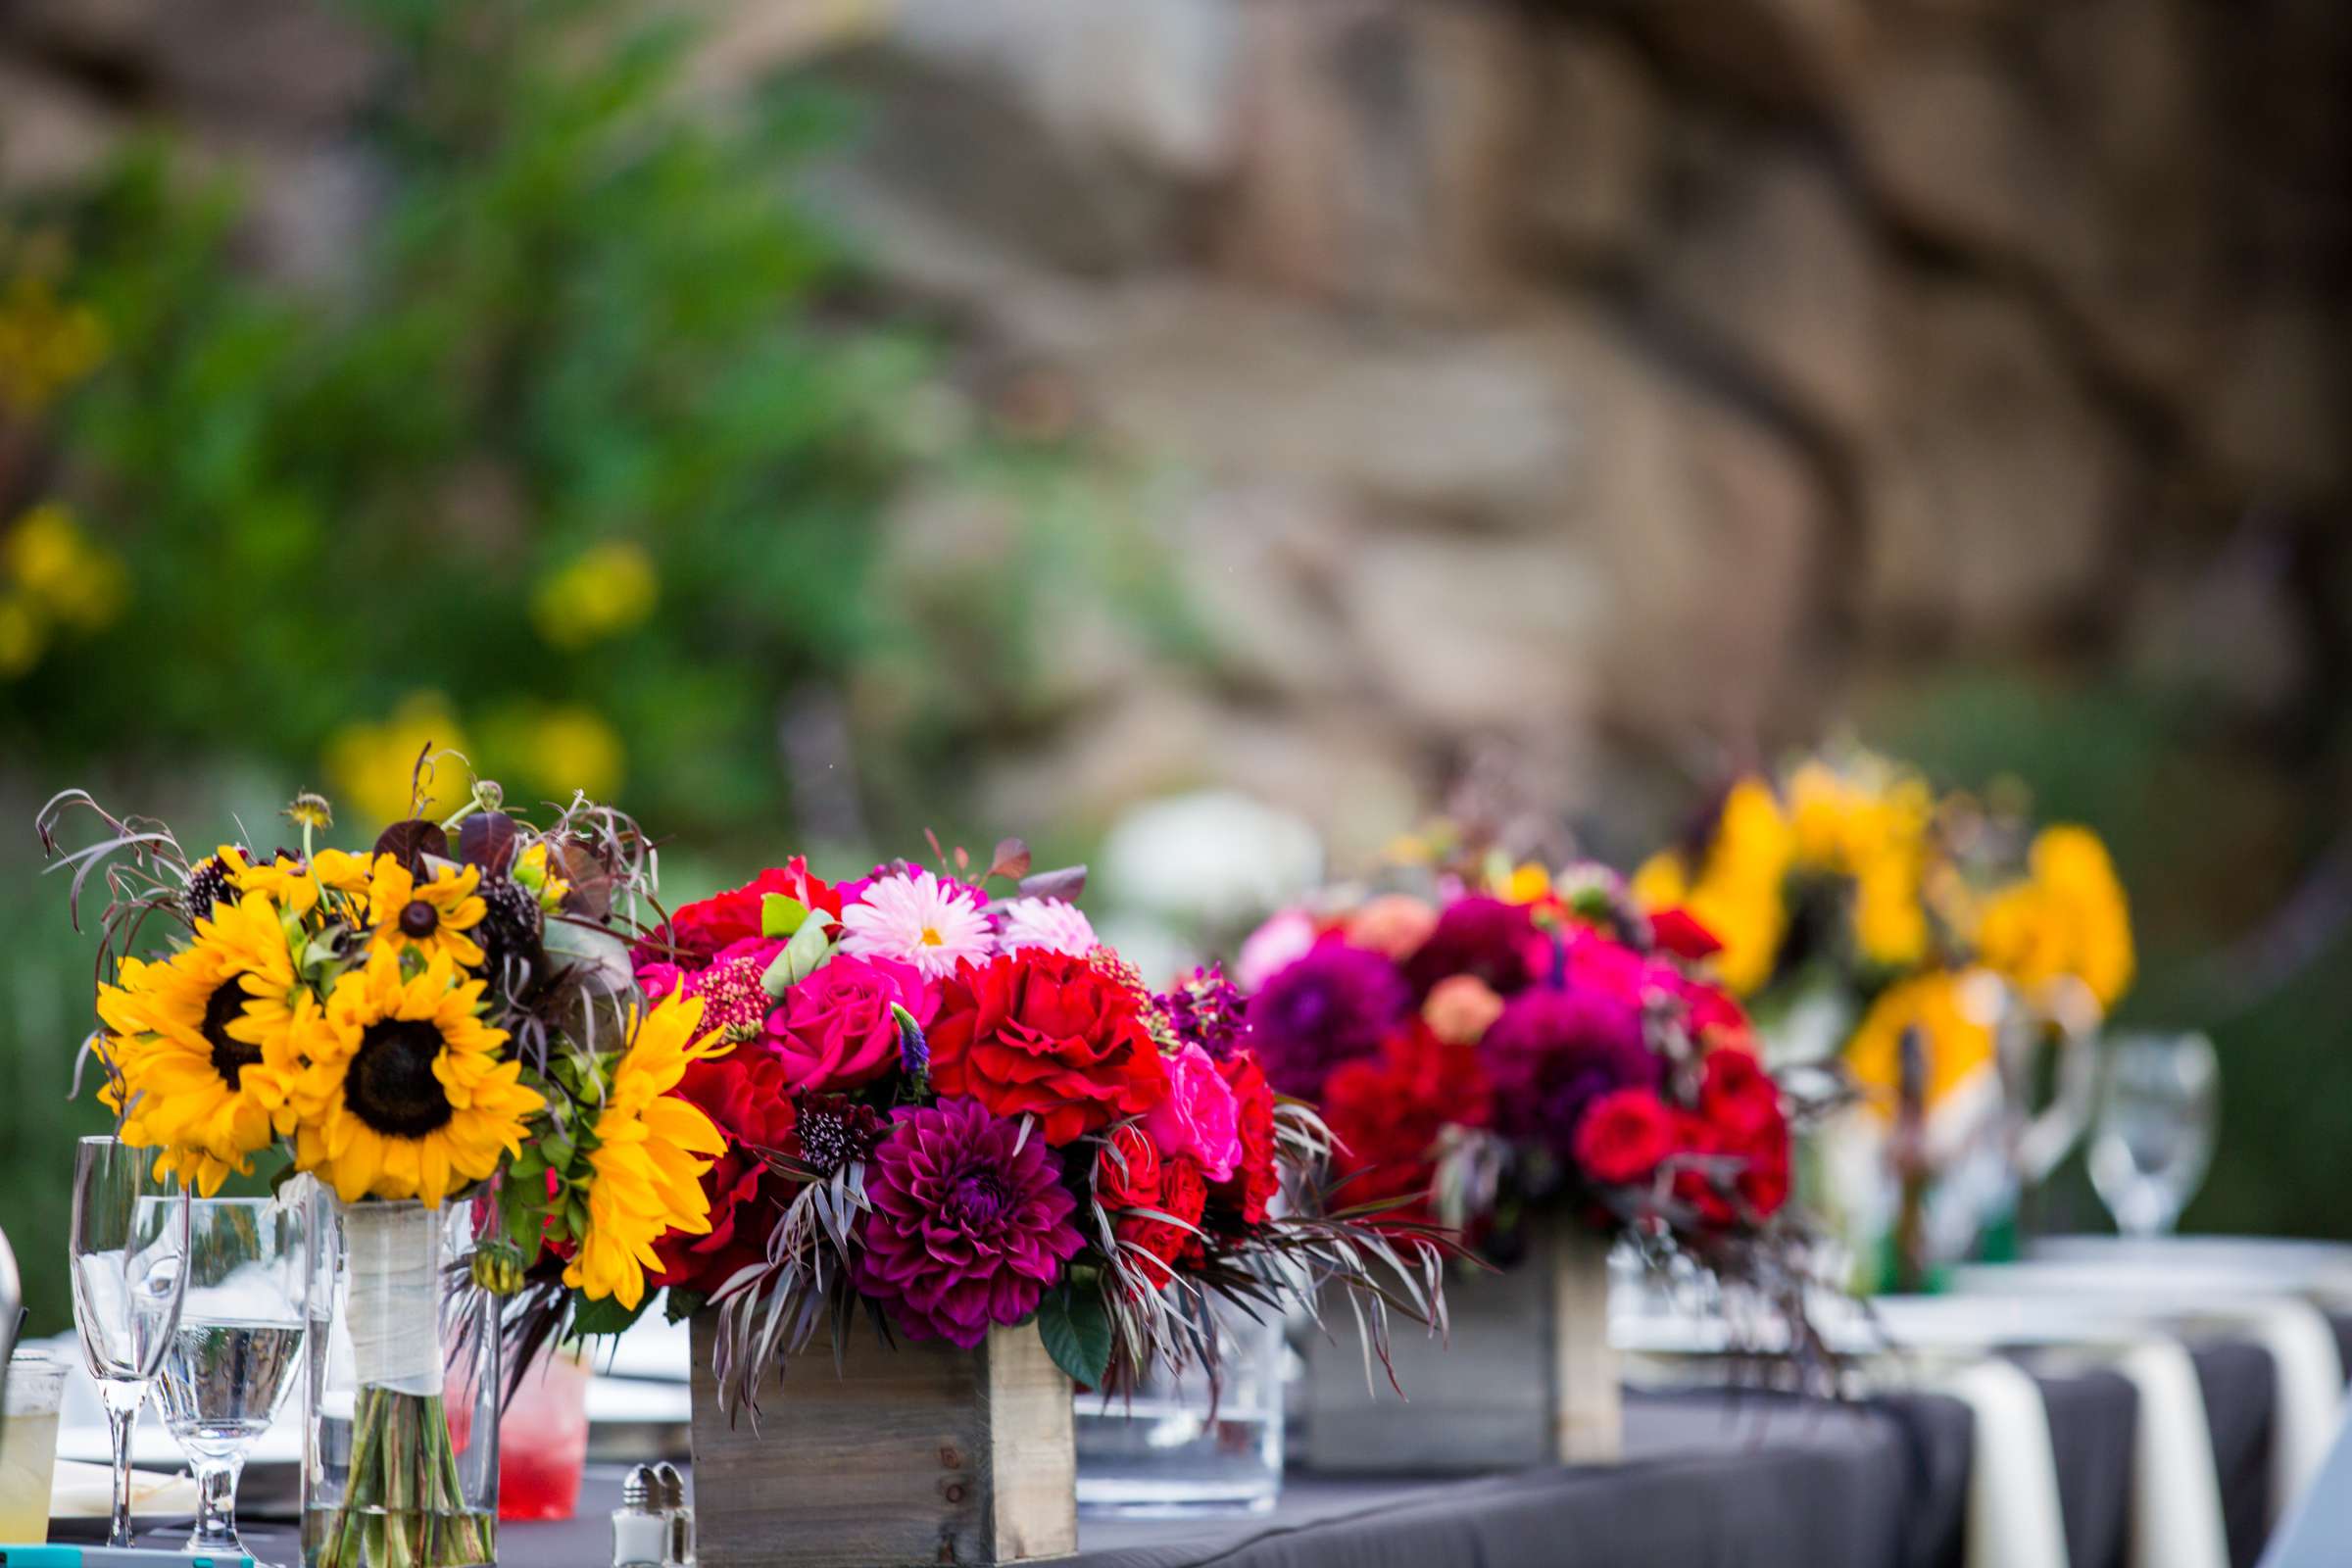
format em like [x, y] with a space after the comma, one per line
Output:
[834, 1030]
[1198, 1117]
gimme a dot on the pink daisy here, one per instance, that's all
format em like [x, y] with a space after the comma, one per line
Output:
[1047, 923]
[916, 920]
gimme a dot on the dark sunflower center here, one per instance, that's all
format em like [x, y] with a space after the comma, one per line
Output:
[419, 919]
[391, 1085]
[230, 1058]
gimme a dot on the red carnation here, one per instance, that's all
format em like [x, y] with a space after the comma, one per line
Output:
[692, 936]
[1695, 1184]
[1132, 1180]
[1255, 1178]
[1624, 1136]
[1182, 1195]
[1391, 1111]
[1045, 1035]
[1738, 1097]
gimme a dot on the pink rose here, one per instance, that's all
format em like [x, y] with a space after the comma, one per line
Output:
[1198, 1116]
[834, 1030]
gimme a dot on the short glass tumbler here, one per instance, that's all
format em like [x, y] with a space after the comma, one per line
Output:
[1177, 1447]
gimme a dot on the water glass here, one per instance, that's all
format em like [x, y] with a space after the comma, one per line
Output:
[128, 1248]
[1179, 1447]
[2158, 1105]
[543, 1440]
[29, 1445]
[233, 1358]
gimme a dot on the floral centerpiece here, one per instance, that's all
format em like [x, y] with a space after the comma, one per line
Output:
[1927, 942]
[446, 1017]
[1533, 1058]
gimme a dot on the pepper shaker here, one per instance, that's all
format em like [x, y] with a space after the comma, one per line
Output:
[681, 1515]
[640, 1528]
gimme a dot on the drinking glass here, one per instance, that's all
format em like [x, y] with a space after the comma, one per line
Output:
[130, 1248]
[1178, 1447]
[29, 1445]
[2154, 1137]
[233, 1360]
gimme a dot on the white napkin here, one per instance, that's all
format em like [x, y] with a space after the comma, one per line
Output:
[81, 1491]
[2013, 1514]
[2175, 1497]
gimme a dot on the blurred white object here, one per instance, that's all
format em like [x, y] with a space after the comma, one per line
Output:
[1217, 857]
[2013, 1512]
[2157, 1108]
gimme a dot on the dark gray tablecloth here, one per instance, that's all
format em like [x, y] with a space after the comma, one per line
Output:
[1714, 1480]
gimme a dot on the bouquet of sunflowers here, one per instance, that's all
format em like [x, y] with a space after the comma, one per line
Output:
[1931, 942]
[449, 1015]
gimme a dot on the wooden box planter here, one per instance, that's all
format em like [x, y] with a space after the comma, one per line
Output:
[1526, 1378]
[920, 1454]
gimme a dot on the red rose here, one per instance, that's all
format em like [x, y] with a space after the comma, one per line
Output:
[1389, 1113]
[1764, 1183]
[1182, 1195]
[1716, 1020]
[1131, 1181]
[692, 936]
[1739, 1099]
[1694, 1184]
[1255, 1178]
[748, 1095]
[1679, 933]
[1045, 1035]
[835, 1031]
[1624, 1136]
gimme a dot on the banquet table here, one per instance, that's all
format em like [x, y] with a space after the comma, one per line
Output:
[1719, 1477]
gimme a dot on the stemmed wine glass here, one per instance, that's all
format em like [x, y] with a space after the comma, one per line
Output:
[2154, 1137]
[232, 1359]
[130, 1249]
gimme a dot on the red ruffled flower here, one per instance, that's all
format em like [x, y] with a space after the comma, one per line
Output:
[1181, 1195]
[1388, 1113]
[1255, 1178]
[1739, 1118]
[692, 936]
[1624, 1136]
[1045, 1035]
[1679, 932]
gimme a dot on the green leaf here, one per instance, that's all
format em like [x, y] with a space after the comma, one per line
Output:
[806, 953]
[1077, 1334]
[680, 1304]
[606, 1316]
[781, 914]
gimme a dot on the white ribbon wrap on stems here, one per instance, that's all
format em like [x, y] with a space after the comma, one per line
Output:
[393, 1251]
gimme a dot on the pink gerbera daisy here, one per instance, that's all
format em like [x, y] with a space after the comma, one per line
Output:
[1047, 923]
[917, 920]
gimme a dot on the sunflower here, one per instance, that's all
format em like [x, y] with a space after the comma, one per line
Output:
[408, 1092]
[203, 1043]
[647, 1167]
[432, 917]
[295, 884]
[1955, 1013]
[1734, 885]
[2069, 919]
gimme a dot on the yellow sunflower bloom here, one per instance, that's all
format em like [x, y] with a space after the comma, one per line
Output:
[293, 884]
[431, 917]
[2068, 921]
[1956, 1013]
[408, 1092]
[648, 1161]
[203, 1044]
[1735, 891]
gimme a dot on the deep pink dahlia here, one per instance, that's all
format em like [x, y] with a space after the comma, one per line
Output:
[1335, 1004]
[968, 1226]
[1553, 1051]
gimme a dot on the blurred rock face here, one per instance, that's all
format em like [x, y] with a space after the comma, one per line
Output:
[1617, 378]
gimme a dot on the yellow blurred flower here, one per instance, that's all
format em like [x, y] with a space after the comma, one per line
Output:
[1869, 824]
[53, 575]
[2068, 919]
[550, 750]
[45, 344]
[605, 590]
[21, 635]
[1736, 889]
[370, 763]
[1528, 882]
[1956, 1013]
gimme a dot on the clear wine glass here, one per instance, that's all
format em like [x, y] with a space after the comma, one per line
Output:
[128, 1248]
[2158, 1105]
[232, 1359]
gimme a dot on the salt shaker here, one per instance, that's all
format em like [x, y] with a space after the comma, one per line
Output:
[681, 1516]
[640, 1528]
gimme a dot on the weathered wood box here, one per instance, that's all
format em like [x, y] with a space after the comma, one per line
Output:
[920, 1454]
[1524, 1378]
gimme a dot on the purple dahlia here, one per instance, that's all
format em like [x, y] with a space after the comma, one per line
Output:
[1552, 1053]
[1333, 1006]
[1494, 941]
[968, 1225]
